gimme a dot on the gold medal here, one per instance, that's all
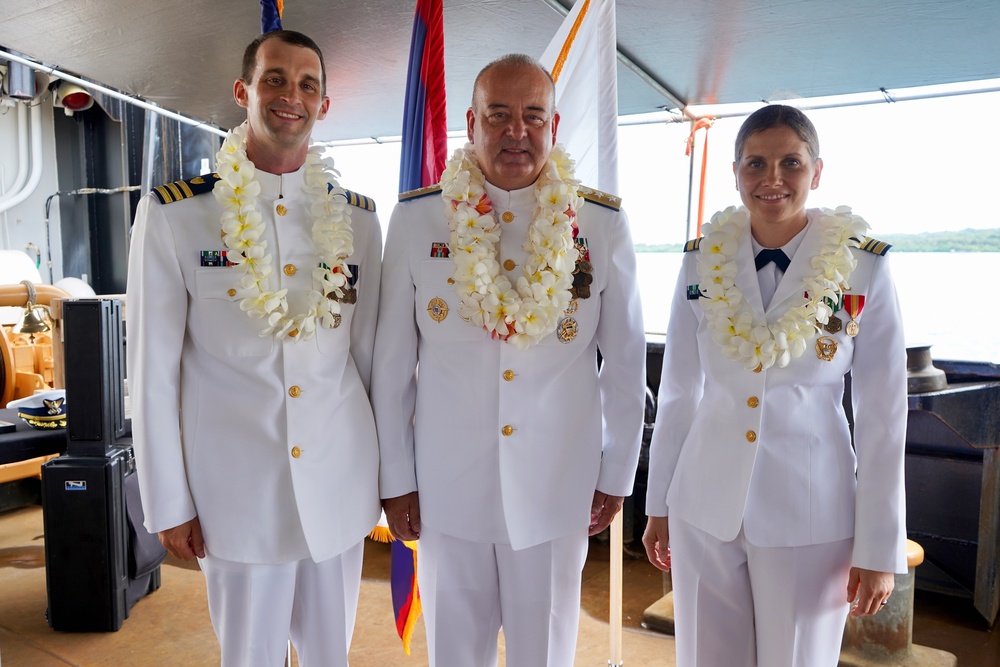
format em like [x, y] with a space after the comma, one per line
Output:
[572, 307]
[437, 309]
[280, 209]
[336, 320]
[826, 347]
[833, 325]
[567, 330]
[854, 304]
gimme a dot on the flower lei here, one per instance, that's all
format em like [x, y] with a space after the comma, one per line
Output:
[734, 326]
[527, 314]
[243, 227]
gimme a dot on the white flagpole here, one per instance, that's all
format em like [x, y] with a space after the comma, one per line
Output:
[615, 598]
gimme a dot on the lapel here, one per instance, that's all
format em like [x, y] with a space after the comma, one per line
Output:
[801, 266]
[746, 274]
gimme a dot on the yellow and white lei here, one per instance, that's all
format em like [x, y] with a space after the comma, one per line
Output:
[734, 326]
[243, 229]
[524, 316]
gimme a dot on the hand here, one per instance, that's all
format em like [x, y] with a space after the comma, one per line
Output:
[184, 541]
[402, 513]
[603, 510]
[656, 539]
[867, 590]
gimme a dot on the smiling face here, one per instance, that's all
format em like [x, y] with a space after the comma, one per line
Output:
[774, 175]
[512, 124]
[284, 99]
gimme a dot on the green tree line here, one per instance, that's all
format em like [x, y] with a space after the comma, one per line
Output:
[966, 240]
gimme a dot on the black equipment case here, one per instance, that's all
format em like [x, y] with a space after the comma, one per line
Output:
[99, 559]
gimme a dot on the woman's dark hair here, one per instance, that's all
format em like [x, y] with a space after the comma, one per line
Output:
[288, 37]
[778, 115]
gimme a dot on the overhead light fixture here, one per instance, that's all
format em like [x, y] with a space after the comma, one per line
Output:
[72, 97]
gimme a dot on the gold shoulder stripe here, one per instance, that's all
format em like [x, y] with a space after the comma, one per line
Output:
[178, 190]
[360, 201]
[875, 246]
[603, 198]
[693, 244]
[419, 192]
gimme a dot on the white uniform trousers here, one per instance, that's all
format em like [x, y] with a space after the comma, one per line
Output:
[256, 609]
[469, 590]
[738, 605]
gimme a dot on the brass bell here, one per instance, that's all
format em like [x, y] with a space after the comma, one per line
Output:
[31, 321]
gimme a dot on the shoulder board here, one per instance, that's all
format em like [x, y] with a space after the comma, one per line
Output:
[178, 190]
[602, 198]
[419, 192]
[875, 246]
[693, 244]
[358, 201]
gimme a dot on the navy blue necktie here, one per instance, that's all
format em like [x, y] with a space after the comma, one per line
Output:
[768, 255]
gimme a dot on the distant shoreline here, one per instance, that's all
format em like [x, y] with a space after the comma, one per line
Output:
[967, 240]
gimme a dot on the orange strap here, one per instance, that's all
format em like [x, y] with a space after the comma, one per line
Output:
[701, 123]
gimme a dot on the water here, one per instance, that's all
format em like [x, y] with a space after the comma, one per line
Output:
[940, 295]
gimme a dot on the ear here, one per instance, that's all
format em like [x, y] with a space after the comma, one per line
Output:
[240, 93]
[323, 108]
[819, 170]
[736, 175]
[470, 122]
[555, 126]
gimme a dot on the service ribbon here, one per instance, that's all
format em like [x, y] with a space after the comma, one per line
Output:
[854, 304]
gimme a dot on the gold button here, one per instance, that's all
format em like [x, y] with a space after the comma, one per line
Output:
[509, 264]
[751, 436]
[507, 216]
[753, 402]
[295, 391]
[231, 292]
[451, 281]
[293, 333]
[508, 375]
[289, 269]
[296, 452]
[759, 368]
[280, 209]
[507, 430]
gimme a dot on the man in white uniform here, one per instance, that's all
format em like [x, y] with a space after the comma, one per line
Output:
[508, 447]
[251, 317]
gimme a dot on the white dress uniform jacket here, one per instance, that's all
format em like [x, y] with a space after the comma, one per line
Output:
[772, 451]
[271, 443]
[572, 430]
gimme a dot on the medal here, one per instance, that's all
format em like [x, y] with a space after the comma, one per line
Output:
[854, 304]
[826, 347]
[833, 325]
[566, 331]
[572, 307]
[437, 309]
[336, 320]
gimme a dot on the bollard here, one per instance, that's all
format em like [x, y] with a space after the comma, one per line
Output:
[886, 639]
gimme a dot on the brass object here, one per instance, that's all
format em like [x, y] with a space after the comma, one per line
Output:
[295, 391]
[508, 375]
[826, 348]
[753, 402]
[751, 436]
[33, 319]
[289, 269]
[509, 264]
[296, 452]
[281, 209]
[853, 328]
[507, 216]
[437, 309]
[507, 430]
[921, 374]
[567, 330]
[231, 292]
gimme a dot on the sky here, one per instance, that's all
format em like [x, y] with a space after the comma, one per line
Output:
[906, 167]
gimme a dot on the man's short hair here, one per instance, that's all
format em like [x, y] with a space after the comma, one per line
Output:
[288, 37]
[513, 59]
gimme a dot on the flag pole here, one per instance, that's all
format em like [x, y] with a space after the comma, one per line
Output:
[615, 615]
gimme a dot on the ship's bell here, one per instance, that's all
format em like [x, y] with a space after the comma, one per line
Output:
[31, 321]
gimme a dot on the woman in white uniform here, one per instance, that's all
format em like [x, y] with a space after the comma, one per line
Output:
[782, 518]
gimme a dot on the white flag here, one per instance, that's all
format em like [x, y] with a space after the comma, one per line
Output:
[582, 60]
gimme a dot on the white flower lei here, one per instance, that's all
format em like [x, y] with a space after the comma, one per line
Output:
[734, 326]
[243, 226]
[526, 315]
